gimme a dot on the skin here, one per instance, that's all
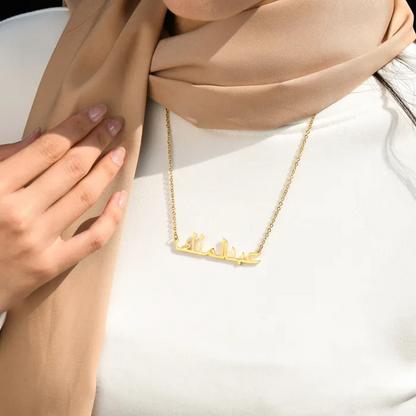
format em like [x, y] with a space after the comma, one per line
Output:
[56, 165]
[191, 14]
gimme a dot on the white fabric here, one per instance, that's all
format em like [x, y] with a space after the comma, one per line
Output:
[324, 325]
[2, 319]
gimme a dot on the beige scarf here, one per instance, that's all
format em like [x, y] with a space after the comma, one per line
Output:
[258, 69]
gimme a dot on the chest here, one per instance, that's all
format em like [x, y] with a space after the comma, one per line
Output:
[333, 297]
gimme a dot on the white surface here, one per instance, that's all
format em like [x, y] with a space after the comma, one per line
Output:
[324, 325]
[2, 319]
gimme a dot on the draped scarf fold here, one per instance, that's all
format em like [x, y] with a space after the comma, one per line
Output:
[259, 69]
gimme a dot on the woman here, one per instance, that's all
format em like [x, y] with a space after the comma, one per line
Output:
[324, 325]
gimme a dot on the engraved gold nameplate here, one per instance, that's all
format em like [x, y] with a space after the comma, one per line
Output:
[190, 248]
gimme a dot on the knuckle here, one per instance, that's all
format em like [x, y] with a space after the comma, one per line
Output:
[49, 148]
[75, 167]
[97, 241]
[17, 220]
[109, 168]
[102, 136]
[115, 218]
[27, 243]
[42, 267]
[86, 197]
[78, 127]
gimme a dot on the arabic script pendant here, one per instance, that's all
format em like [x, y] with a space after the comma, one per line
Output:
[189, 248]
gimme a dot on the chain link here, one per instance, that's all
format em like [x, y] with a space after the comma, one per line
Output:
[287, 186]
[172, 190]
[279, 205]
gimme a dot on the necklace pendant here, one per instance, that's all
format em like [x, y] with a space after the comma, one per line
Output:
[190, 248]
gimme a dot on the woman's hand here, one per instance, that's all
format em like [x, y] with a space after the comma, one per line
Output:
[45, 185]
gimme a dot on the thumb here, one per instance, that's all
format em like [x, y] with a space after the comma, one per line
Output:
[7, 150]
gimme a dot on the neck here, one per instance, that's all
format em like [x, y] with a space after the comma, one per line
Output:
[184, 25]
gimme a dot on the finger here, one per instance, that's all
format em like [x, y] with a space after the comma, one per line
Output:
[8, 150]
[75, 249]
[83, 196]
[34, 159]
[60, 178]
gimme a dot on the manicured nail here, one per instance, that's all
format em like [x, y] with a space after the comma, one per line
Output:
[122, 199]
[118, 155]
[31, 135]
[115, 125]
[96, 113]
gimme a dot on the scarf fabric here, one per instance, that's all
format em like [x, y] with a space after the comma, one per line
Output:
[259, 69]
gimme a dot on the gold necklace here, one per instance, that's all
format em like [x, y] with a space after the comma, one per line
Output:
[190, 246]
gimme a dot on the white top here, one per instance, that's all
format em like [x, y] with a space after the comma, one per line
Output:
[324, 325]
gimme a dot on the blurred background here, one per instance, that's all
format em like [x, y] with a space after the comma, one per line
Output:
[12, 8]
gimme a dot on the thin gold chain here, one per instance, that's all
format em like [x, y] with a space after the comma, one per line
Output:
[287, 186]
[279, 205]
[172, 190]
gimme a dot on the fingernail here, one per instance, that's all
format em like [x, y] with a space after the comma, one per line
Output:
[118, 155]
[31, 135]
[96, 113]
[115, 125]
[122, 199]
